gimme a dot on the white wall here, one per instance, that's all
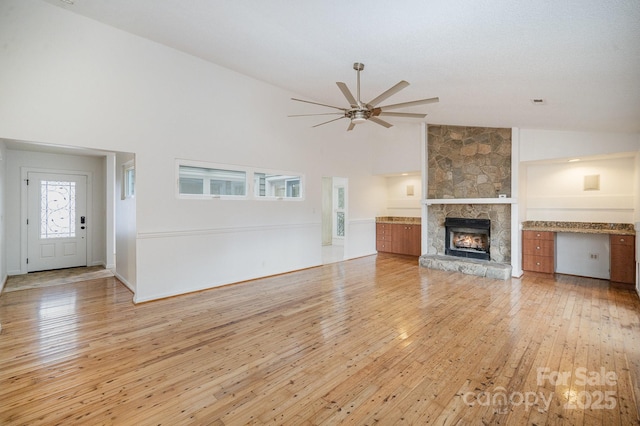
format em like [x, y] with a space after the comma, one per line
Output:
[3, 240]
[401, 150]
[556, 191]
[72, 81]
[399, 203]
[125, 226]
[536, 144]
[16, 160]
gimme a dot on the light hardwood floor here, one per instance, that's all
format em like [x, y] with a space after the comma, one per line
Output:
[376, 340]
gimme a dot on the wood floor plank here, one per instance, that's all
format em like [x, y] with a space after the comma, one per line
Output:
[372, 340]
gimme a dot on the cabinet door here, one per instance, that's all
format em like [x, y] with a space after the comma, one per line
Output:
[414, 240]
[399, 244]
[407, 239]
[623, 259]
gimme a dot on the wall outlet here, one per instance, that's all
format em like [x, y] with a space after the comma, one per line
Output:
[593, 256]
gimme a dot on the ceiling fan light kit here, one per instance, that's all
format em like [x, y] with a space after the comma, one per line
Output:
[359, 112]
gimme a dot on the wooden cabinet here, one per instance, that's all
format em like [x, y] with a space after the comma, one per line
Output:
[399, 238]
[623, 264]
[538, 251]
[384, 237]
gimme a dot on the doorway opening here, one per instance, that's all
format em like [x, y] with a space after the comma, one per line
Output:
[334, 218]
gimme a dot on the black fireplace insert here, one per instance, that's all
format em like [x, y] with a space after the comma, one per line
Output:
[469, 238]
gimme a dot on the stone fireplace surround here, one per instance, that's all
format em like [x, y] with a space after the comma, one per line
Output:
[466, 165]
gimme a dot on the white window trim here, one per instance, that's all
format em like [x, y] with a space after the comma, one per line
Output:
[129, 165]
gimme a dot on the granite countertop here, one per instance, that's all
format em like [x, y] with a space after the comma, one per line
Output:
[580, 227]
[399, 219]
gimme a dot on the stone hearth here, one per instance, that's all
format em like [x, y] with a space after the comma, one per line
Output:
[480, 268]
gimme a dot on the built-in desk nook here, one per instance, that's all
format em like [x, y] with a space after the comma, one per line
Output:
[599, 250]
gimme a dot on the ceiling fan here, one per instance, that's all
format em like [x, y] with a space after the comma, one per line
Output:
[359, 112]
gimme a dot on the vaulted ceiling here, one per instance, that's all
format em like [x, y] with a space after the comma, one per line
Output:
[485, 59]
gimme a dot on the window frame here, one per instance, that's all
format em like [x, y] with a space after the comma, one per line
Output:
[128, 187]
[250, 174]
[286, 177]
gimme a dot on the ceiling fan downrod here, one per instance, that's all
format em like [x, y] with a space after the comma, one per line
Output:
[358, 67]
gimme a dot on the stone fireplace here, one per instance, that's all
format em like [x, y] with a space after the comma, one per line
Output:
[469, 180]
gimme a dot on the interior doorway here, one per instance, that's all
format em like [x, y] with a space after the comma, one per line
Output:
[334, 218]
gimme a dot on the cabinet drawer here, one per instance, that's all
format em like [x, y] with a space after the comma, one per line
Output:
[384, 246]
[538, 247]
[538, 264]
[382, 228]
[622, 240]
[537, 235]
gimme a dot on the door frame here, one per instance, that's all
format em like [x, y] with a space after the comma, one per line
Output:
[24, 210]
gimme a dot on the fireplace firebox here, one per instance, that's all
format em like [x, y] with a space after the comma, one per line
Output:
[469, 238]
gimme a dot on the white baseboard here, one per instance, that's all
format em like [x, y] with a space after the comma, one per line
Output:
[125, 282]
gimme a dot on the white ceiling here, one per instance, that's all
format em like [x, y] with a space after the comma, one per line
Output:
[485, 59]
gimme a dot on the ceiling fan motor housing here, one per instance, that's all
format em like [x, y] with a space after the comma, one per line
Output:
[358, 116]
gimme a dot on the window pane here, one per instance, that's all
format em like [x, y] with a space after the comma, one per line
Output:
[340, 224]
[341, 197]
[191, 186]
[269, 185]
[129, 183]
[202, 180]
[57, 209]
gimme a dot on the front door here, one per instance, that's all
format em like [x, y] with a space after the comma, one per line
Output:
[57, 221]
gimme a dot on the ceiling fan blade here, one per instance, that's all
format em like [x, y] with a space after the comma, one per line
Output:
[392, 91]
[380, 122]
[316, 103]
[402, 114]
[412, 103]
[326, 122]
[347, 94]
[351, 126]
[309, 115]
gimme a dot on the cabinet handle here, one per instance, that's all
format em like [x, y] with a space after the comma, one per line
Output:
[622, 240]
[538, 263]
[538, 248]
[537, 235]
